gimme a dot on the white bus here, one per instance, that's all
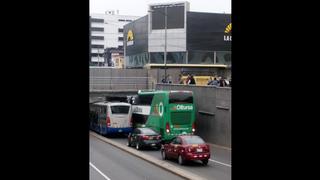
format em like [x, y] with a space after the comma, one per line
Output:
[111, 117]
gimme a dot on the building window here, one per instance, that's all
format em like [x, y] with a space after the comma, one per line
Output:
[120, 30]
[120, 47]
[223, 57]
[200, 57]
[97, 29]
[129, 20]
[97, 37]
[97, 20]
[122, 20]
[120, 38]
[97, 46]
[96, 54]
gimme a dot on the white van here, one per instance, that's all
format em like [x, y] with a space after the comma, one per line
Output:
[111, 117]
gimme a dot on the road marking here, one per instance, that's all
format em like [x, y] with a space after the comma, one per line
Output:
[106, 177]
[220, 163]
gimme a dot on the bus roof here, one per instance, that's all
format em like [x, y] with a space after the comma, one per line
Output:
[111, 103]
[162, 91]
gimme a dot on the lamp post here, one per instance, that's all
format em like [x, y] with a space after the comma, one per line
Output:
[165, 41]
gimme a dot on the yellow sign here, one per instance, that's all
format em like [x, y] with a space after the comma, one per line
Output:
[228, 29]
[130, 36]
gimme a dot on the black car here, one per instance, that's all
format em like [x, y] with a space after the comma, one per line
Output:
[144, 137]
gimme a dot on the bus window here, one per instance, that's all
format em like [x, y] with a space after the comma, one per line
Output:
[120, 109]
[180, 97]
[145, 99]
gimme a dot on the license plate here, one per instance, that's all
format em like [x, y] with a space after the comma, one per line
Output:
[120, 130]
[153, 144]
[199, 150]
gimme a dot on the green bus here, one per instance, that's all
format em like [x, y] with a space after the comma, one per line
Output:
[171, 112]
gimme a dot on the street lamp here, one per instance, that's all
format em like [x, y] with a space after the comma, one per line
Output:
[165, 41]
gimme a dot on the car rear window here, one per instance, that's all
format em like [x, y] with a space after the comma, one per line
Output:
[148, 131]
[193, 140]
[120, 109]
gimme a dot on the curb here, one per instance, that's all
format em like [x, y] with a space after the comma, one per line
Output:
[162, 164]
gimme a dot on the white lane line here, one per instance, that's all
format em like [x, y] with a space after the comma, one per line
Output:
[220, 163]
[106, 177]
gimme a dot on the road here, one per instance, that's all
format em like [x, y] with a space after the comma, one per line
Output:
[218, 168]
[109, 163]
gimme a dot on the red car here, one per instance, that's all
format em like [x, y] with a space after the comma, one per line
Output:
[186, 147]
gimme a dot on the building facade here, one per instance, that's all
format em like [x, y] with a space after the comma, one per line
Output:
[106, 31]
[188, 38]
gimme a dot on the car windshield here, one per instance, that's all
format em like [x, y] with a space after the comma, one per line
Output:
[147, 131]
[193, 140]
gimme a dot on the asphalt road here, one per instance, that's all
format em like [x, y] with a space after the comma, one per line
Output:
[109, 163]
[218, 168]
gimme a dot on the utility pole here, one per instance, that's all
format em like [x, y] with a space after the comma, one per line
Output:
[165, 43]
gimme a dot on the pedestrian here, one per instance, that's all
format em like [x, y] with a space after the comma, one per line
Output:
[163, 79]
[169, 79]
[214, 82]
[192, 80]
[180, 80]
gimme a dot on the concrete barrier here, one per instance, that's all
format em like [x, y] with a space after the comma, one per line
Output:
[213, 111]
[164, 165]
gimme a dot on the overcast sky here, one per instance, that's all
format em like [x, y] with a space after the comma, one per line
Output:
[139, 7]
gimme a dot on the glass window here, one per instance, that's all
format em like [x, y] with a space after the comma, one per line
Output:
[97, 29]
[120, 38]
[180, 97]
[147, 131]
[200, 57]
[157, 57]
[120, 30]
[120, 109]
[97, 46]
[193, 140]
[97, 20]
[176, 58]
[97, 37]
[223, 57]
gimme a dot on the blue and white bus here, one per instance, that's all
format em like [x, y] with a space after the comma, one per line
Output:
[111, 117]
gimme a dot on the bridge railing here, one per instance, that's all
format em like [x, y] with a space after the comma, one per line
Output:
[119, 83]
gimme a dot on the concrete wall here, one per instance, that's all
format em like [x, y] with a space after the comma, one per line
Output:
[118, 79]
[213, 112]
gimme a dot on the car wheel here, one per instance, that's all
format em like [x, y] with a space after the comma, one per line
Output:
[181, 160]
[205, 162]
[163, 155]
[138, 146]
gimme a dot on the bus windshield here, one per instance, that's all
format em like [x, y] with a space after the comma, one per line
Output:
[120, 109]
[180, 97]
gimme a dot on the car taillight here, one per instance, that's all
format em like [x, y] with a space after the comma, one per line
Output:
[167, 128]
[145, 137]
[193, 127]
[108, 121]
